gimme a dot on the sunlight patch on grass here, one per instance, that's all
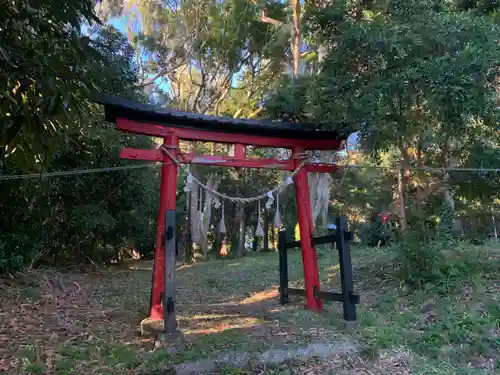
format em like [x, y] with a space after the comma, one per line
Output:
[208, 316]
[184, 267]
[221, 327]
[260, 296]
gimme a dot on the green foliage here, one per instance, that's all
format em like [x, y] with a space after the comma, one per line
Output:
[408, 70]
[43, 58]
[468, 331]
[418, 79]
[477, 6]
[375, 233]
[383, 77]
[13, 255]
[50, 125]
[431, 265]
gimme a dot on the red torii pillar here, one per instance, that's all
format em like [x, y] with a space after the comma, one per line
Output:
[304, 213]
[168, 193]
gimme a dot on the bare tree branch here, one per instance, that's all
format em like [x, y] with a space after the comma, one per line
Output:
[264, 18]
[161, 73]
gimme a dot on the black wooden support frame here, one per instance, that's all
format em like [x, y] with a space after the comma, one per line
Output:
[169, 287]
[341, 239]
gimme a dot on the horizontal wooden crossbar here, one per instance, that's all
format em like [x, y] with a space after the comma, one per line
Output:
[321, 240]
[329, 238]
[321, 168]
[291, 245]
[155, 155]
[327, 296]
[211, 160]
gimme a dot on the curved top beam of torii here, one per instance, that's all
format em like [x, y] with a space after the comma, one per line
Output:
[149, 120]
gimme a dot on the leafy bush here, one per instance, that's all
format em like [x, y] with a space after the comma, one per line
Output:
[442, 266]
[14, 252]
[376, 233]
[52, 126]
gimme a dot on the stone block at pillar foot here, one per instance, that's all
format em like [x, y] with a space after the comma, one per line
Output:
[151, 327]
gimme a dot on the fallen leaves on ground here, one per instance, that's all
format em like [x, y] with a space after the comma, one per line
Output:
[66, 322]
[48, 317]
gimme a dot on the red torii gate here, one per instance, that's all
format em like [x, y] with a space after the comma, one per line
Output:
[173, 126]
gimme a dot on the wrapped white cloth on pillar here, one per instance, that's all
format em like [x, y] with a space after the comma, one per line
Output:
[259, 231]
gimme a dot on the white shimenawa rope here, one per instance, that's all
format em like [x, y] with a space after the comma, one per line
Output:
[276, 189]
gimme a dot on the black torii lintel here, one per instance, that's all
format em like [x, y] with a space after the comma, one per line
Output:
[116, 107]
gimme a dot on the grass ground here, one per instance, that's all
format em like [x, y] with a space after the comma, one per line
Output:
[71, 323]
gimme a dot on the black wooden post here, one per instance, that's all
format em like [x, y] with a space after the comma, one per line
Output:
[283, 264]
[343, 237]
[169, 288]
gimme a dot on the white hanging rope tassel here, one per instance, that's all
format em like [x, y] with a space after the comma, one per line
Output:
[259, 231]
[216, 203]
[222, 224]
[270, 199]
[189, 181]
[277, 216]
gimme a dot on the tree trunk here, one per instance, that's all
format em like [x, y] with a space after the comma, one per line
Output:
[232, 229]
[195, 224]
[266, 230]
[419, 173]
[241, 232]
[402, 202]
[495, 233]
[255, 243]
[273, 236]
[212, 183]
[188, 241]
[296, 37]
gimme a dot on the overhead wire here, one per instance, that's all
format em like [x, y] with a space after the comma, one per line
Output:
[75, 172]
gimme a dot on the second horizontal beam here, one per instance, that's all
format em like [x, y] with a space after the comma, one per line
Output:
[156, 155]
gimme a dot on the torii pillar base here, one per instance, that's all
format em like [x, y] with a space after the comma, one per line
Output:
[151, 327]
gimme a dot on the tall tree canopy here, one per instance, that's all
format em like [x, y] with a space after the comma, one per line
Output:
[48, 68]
[412, 76]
